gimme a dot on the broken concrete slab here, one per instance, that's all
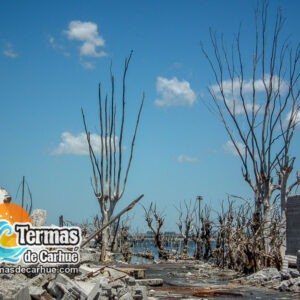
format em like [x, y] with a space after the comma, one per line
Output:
[89, 255]
[96, 288]
[117, 284]
[130, 281]
[41, 280]
[63, 286]
[86, 286]
[22, 294]
[54, 290]
[14, 287]
[137, 273]
[122, 291]
[46, 296]
[36, 292]
[126, 296]
[16, 294]
[150, 282]
[140, 292]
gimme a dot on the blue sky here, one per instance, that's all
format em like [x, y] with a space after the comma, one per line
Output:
[50, 68]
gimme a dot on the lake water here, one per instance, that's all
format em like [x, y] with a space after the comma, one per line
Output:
[148, 245]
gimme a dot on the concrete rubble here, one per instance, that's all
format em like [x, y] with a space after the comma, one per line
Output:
[14, 287]
[284, 281]
[91, 283]
[39, 217]
[127, 282]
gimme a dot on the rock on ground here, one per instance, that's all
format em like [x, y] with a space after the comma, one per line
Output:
[285, 281]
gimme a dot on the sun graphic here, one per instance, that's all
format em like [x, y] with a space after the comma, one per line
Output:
[12, 213]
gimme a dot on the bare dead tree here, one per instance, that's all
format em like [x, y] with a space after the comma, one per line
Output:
[26, 195]
[124, 239]
[185, 223]
[219, 251]
[112, 220]
[109, 171]
[196, 232]
[239, 239]
[259, 108]
[155, 221]
[196, 237]
[206, 231]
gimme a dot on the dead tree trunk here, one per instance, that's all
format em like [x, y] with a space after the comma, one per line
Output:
[109, 177]
[206, 232]
[185, 224]
[155, 221]
[259, 107]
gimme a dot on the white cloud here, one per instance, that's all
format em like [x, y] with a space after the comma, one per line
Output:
[238, 108]
[230, 148]
[9, 51]
[53, 43]
[182, 158]
[173, 92]
[231, 90]
[88, 65]
[77, 145]
[57, 46]
[233, 87]
[87, 33]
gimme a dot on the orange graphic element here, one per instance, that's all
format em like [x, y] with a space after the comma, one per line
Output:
[12, 213]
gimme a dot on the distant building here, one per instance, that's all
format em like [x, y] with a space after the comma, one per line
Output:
[293, 225]
[170, 233]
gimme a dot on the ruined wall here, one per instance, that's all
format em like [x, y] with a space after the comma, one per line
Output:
[293, 225]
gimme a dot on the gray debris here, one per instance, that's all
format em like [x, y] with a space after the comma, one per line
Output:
[69, 287]
[93, 282]
[14, 288]
[89, 255]
[150, 282]
[264, 275]
[287, 280]
[39, 217]
[294, 273]
[36, 291]
[291, 285]
[126, 296]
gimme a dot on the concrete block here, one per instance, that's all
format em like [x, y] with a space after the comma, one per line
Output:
[63, 286]
[150, 282]
[130, 281]
[126, 296]
[36, 292]
[140, 291]
[22, 294]
[100, 290]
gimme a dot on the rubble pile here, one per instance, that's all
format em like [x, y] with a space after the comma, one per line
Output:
[284, 281]
[14, 287]
[92, 282]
